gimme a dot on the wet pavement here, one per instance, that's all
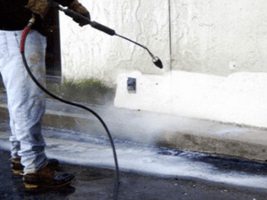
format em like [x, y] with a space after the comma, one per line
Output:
[146, 172]
[98, 183]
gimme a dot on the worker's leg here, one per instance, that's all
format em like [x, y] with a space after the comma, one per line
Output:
[26, 102]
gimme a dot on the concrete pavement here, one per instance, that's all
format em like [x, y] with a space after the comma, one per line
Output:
[96, 183]
[143, 144]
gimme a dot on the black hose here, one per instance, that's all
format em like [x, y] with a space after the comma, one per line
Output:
[22, 51]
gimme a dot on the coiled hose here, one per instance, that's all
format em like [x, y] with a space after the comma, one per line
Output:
[22, 51]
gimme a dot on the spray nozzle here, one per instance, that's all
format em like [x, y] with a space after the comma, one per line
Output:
[155, 59]
[157, 62]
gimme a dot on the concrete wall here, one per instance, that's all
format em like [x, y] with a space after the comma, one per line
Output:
[214, 54]
[219, 37]
[87, 52]
[214, 37]
[239, 98]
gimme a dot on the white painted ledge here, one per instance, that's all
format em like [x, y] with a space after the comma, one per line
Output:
[240, 98]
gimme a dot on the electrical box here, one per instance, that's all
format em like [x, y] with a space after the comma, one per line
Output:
[131, 85]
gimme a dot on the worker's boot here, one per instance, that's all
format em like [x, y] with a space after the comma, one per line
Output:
[17, 167]
[46, 178]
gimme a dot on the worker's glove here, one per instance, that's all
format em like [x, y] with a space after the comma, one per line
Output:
[40, 7]
[79, 8]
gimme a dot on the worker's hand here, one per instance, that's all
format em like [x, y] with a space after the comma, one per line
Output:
[79, 8]
[40, 7]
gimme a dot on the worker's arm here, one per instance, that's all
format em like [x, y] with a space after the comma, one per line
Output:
[41, 7]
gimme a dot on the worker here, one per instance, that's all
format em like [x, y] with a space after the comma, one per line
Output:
[26, 102]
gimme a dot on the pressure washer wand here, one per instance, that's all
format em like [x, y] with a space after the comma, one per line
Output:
[108, 31]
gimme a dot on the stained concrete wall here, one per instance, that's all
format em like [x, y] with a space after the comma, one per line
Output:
[87, 52]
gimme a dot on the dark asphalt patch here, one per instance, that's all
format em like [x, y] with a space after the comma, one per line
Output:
[96, 183]
[224, 164]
